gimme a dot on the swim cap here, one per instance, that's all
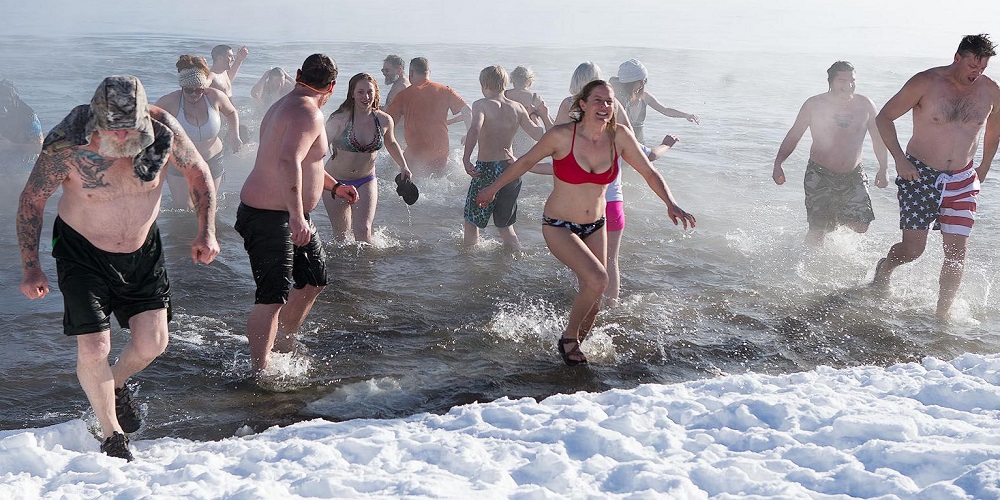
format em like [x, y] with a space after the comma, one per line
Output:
[632, 71]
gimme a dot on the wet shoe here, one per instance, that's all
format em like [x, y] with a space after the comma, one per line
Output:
[126, 410]
[117, 446]
[573, 356]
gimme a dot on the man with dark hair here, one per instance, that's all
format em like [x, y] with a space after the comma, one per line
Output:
[108, 157]
[425, 106]
[286, 183]
[392, 70]
[20, 130]
[835, 184]
[225, 65]
[937, 184]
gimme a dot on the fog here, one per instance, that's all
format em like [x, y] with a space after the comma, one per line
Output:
[852, 27]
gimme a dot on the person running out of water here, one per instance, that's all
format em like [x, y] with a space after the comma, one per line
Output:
[273, 85]
[937, 185]
[495, 120]
[200, 110]
[357, 130]
[585, 160]
[20, 131]
[225, 65]
[835, 184]
[630, 87]
[393, 70]
[285, 185]
[109, 157]
[425, 106]
[522, 78]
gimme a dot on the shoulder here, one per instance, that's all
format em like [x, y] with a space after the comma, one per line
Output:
[990, 84]
[170, 101]
[162, 115]
[215, 94]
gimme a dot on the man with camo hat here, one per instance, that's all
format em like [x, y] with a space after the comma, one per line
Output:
[108, 158]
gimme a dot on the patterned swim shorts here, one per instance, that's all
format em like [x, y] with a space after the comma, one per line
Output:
[946, 200]
[834, 198]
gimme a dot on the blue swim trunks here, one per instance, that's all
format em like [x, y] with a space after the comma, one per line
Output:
[504, 206]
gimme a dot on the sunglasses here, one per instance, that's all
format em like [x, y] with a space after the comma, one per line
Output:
[192, 90]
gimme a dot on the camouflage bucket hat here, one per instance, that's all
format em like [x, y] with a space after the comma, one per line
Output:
[120, 104]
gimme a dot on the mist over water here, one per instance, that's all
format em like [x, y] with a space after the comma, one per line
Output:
[414, 324]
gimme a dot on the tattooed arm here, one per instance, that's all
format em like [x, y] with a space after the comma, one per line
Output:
[199, 178]
[48, 174]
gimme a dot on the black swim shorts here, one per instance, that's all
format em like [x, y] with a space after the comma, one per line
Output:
[274, 260]
[95, 283]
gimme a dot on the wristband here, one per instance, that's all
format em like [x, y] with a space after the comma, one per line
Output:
[335, 186]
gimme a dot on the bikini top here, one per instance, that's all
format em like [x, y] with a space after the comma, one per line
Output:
[206, 131]
[568, 170]
[348, 142]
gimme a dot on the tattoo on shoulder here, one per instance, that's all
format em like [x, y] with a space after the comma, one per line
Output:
[91, 166]
[49, 172]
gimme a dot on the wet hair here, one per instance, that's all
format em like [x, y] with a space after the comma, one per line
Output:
[835, 68]
[275, 72]
[348, 104]
[585, 73]
[977, 45]
[493, 78]
[576, 111]
[219, 51]
[394, 60]
[419, 65]
[188, 61]
[318, 71]
[522, 77]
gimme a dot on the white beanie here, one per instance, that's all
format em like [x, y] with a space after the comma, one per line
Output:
[631, 71]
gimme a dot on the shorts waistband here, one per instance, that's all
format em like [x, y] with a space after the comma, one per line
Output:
[921, 165]
[826, 171]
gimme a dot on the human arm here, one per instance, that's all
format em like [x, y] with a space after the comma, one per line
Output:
[464, 114]
[545, 147]
[241, 55]
[49, 172]
[392, 147]
[791, 140]
[228, 110]
[562, 115]
[190, 163]
[257, 92]
[472, 138]
[671, 112]
[991, 139]
[881, 153]
[901, 103]
[630, 151]
[524, 119]
[656, 152]
[541, 111]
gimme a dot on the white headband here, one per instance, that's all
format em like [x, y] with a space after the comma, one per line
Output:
[192, 77]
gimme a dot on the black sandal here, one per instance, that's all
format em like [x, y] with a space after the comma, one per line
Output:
[575, 352]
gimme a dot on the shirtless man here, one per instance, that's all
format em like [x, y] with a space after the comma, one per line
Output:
[108, 157]
[937, 184]
[495, 120]
[392, 70]
[425, 106]
[225, 65]
[286, 183]
[836, 186]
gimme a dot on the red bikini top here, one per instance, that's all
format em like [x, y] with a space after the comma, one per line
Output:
[568, 170]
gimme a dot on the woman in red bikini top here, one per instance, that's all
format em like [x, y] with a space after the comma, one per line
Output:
[584, 155]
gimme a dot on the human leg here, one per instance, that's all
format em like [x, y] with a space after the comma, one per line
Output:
[611, 293]
[262, 326]
[912, 246]
[363, 211]
[470, 234]
[589, 270]
[340, 215]
[149, 340]
[951, 271]
[97, 379]
[294, 312]
[509, 238]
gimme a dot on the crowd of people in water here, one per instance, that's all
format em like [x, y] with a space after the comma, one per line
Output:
[111, 158]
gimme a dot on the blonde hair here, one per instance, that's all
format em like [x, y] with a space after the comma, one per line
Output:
[522, 77]
[493, 78]
[585, 73]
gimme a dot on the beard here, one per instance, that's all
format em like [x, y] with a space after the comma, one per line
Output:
[112, 147]
[391, 79]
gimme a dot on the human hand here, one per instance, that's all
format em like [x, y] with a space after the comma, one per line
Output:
[405, 173]
[470, 168]
[34, 284]
[301, 231]
[242, 53]
[235, 141]
[347, 193]
[204, 250]
[881, 180]
[778, 175]
[486, 196]
[692, 118]
[678, 215]
[906, 170]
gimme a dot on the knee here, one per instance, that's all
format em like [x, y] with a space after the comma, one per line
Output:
[151, 345]
[595, 282]
[909, 252]
[94, 347]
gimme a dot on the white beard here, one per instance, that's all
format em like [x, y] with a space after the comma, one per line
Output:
[391, 79]
[111, 147]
